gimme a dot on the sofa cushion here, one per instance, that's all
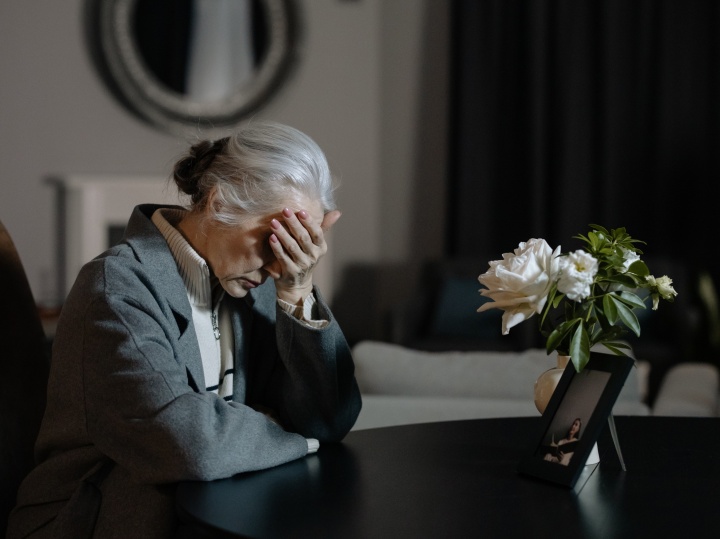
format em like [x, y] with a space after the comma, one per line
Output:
[689, 389]
[391, 369]
[388, 410]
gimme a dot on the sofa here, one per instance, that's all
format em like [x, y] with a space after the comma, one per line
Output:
[689, 389]
[400, 385]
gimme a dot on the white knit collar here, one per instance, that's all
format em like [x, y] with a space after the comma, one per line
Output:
[193, 269]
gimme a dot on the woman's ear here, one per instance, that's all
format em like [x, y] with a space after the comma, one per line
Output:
[330, 219]
[212, 204]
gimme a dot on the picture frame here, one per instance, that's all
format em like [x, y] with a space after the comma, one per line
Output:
[588, 396]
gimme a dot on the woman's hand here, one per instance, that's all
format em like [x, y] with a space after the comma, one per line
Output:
[298, 244]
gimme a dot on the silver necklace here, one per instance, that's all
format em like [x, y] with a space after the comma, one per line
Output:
[216, 328]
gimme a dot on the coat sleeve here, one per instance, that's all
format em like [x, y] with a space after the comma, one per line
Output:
[313, 386]
[142, 412]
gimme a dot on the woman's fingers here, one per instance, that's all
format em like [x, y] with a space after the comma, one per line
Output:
[287, 251]
[304, 229]
[301, 236]
[298, 243]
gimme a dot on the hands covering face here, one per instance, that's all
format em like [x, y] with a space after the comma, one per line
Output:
[298, 243]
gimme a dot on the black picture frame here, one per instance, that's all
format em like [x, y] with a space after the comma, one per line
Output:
[589, 396]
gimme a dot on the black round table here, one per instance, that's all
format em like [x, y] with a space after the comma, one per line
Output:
[459, 479]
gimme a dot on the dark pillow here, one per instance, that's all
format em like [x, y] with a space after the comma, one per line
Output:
[456, 315]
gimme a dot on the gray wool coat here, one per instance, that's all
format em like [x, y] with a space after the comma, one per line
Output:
[127, 416]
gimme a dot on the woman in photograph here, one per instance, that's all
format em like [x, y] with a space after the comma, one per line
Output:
[562, 454]
[197, 348]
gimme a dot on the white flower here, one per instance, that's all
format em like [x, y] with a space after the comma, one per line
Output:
[661, 288]
[577, 271]
[628, 258]
[519, 283]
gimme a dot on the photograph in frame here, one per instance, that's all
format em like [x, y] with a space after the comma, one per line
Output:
[574, 418]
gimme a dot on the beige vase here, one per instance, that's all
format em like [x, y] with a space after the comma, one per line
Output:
[547, 382]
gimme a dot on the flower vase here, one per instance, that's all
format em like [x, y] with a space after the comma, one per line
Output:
[548, 381]
[544, 388]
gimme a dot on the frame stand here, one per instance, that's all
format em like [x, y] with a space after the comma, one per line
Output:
[616, 442]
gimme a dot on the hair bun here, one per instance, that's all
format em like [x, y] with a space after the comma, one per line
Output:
[189, 170]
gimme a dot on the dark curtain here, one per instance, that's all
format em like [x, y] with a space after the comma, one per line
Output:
[571, 112]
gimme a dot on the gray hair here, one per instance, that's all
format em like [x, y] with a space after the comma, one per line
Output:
[254, 171]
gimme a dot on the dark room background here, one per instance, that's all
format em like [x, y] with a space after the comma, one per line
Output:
[571, 112]
[566, 113]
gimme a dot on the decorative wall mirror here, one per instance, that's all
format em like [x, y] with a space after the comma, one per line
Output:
[182, 65]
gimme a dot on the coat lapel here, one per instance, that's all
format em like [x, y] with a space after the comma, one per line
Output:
[154, 254]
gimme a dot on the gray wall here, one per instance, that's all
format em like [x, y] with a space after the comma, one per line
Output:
[371, 88]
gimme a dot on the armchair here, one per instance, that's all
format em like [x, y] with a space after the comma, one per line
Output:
[23, 381]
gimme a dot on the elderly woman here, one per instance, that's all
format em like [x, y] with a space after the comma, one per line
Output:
[196, 349]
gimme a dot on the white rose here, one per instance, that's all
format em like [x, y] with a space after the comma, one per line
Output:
[662, 287]
[577, 271]
[519, 283]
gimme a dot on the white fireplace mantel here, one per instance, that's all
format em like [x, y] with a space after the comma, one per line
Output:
[90, 207]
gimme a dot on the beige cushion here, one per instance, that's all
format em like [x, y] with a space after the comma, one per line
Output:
[689, 389]
[390, 369]
[402, 385]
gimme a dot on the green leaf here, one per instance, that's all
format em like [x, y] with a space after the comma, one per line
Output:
[613, 333]
[580, 348]
[632, 300]
[550, 302]
[561, 332]
[595, 240]
[639, 268]
[610, 309]
[623, 279]
[600, 228]
[628, 316]
[616, 348]
[583, 238]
